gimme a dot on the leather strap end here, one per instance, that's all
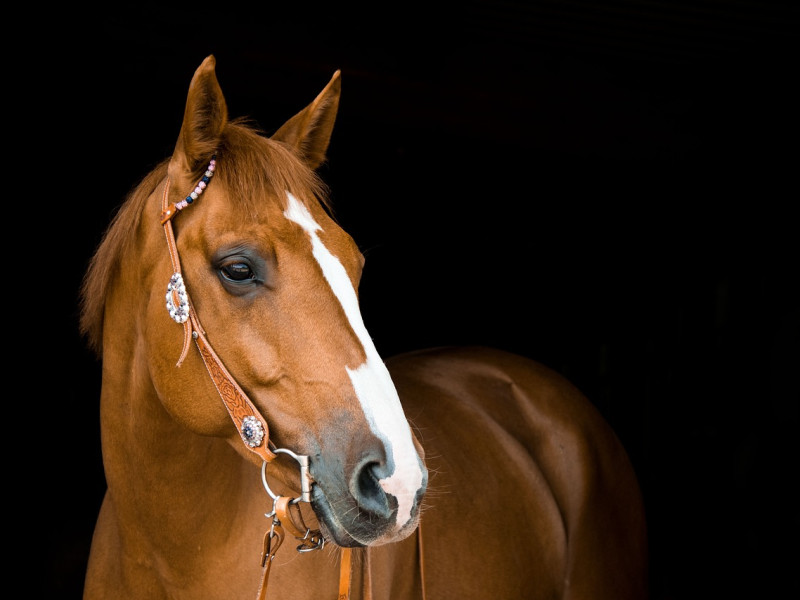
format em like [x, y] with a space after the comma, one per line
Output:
[168, 213]
[272, 541]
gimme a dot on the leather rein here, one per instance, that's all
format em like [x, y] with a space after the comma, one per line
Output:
[251, 425]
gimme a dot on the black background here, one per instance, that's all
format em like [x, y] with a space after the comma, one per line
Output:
[606, 187]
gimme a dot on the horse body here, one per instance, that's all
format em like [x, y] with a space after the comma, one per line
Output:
[531, 494]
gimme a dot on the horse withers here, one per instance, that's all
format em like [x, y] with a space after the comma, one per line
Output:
[255, 444]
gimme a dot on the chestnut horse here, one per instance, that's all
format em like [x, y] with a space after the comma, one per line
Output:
[255, 444]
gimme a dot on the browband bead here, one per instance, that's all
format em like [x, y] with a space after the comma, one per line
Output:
[169, 213]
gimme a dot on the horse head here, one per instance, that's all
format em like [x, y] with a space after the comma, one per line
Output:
[273, 280]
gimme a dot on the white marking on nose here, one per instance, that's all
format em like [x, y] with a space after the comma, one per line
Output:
[371, 381]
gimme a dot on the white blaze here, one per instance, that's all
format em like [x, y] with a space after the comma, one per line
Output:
[371, 381]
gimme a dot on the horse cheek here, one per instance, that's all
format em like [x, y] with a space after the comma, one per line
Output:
[190, 401]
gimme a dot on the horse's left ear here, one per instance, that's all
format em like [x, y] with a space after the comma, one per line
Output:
[309, 131]
[204, 119]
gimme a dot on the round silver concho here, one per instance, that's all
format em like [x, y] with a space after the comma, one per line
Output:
[252, 431]
[177, 299]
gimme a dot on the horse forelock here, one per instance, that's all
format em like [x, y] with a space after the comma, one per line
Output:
[251, 167]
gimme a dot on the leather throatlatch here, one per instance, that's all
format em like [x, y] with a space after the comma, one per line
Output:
[252, 427]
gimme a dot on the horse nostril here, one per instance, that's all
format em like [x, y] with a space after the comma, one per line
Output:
[368, 491]
[368, 481]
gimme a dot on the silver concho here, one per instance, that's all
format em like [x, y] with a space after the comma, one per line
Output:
[252, 431]
[177, 299]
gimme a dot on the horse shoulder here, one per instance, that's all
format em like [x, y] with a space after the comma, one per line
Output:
[524, 468]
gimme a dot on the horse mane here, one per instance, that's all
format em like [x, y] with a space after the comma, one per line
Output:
[250, 166]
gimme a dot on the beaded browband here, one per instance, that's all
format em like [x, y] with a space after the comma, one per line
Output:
[169, 212]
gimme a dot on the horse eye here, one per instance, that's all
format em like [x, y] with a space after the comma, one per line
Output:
[239, 271]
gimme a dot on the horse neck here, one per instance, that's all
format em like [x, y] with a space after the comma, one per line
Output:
[159, 474]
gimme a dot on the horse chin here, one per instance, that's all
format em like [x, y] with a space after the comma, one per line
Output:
[338, 535]
[396, 536]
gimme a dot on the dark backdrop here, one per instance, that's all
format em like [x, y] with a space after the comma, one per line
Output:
[602, 186]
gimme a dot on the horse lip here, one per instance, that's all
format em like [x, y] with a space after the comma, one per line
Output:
[329, 525]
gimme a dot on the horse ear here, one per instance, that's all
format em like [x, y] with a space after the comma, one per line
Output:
[204, 119]
[309, 131]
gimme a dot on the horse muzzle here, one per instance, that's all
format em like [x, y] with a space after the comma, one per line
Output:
[373, 503]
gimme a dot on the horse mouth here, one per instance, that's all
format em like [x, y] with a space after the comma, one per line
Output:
[333, 529]
[362, 529]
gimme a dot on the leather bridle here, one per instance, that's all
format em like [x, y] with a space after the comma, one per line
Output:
[251, 425]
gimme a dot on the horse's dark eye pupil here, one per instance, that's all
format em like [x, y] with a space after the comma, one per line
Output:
[238, 271]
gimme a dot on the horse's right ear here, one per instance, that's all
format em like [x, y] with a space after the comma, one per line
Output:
[309, 131]
[204, 119]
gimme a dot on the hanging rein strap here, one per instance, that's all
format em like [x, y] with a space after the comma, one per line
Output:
[252, 427]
